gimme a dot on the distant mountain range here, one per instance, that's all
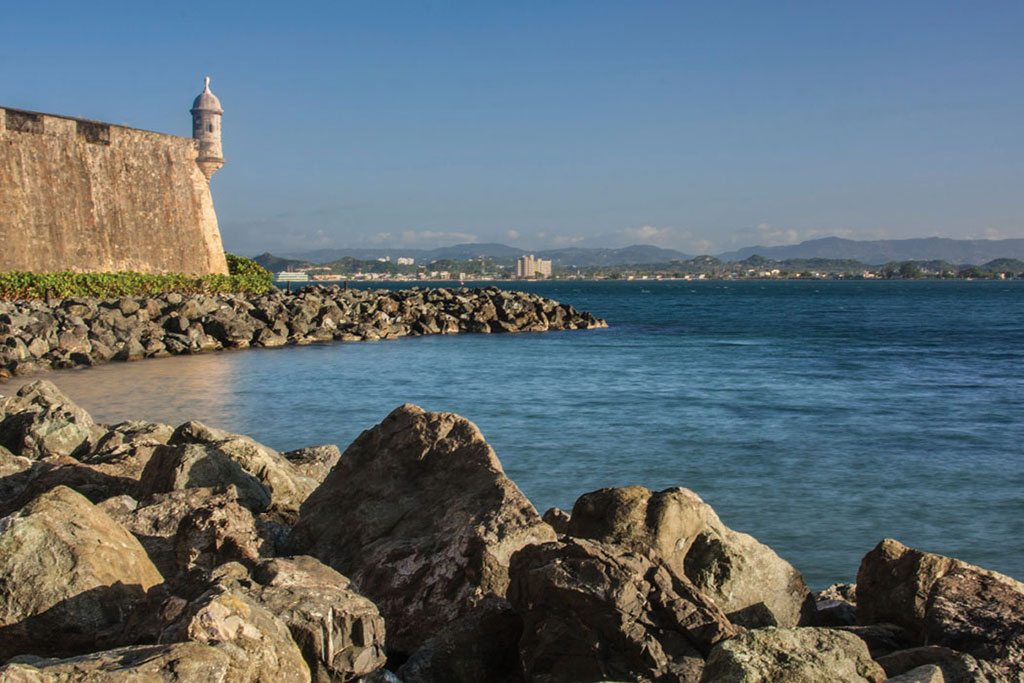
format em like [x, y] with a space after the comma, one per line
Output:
[505, 255]
[877, 252]
[870, 252]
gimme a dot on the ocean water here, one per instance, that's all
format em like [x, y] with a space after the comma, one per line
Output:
[820, 417]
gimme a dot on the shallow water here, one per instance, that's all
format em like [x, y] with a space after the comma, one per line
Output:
[818, 416]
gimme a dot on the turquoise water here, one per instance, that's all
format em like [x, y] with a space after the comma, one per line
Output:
[818, 416]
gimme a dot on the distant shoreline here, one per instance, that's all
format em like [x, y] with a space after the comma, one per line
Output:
[295, 285]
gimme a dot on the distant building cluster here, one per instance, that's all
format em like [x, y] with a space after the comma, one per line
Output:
[406, 261]
[530, 267]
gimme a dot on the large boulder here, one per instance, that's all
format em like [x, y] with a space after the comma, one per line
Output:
[792, 655]
[666, 522]
[980, 613]
[197, 456]
[894, 582]
[41, 421]
[340, 633]
[745, 578]
[173, 663]
[68, 576]
[419, 514]
[944, 601]
[593, 611]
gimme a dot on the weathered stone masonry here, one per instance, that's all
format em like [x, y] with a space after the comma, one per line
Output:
[90, 196]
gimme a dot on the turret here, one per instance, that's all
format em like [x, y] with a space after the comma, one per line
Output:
[206, 113]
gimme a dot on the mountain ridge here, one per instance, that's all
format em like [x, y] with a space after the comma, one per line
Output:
[878, 252]
[870, 252]
[504, 254]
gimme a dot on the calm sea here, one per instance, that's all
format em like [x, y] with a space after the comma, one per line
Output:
[818, 416]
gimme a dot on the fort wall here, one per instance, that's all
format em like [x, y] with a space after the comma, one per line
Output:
[89, 196]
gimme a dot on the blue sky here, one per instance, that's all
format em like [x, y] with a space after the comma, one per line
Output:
[698, 126]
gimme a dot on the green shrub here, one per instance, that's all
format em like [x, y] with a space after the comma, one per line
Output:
[246, 277]
[253, 274]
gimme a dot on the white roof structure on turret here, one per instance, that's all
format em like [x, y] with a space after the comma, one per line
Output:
[207, 101]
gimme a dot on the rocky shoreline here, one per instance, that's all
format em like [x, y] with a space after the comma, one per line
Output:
[40, 335]
[141, 551]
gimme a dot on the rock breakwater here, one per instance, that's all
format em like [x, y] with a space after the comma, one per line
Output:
[38, 335]
[140, 551]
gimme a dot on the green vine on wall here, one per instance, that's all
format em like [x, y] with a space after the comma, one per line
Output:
[245, 277]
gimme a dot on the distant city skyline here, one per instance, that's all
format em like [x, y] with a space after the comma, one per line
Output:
[542, 125]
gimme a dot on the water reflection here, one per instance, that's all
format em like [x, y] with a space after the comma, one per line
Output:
[169, 390]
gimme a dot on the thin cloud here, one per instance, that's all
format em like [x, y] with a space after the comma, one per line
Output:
[547, 239]
[769, 235]
[648, 234]
[416, 238]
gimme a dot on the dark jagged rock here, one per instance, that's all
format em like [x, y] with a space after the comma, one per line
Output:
[836, 605]
[893, 584]
[881, 639]
[41, 421]
[482, 645]
[419, 514]
[981, 613]
[37, 335]
[944, 601]
[598, 611]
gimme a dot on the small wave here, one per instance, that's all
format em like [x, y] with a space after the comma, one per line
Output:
[739, 342]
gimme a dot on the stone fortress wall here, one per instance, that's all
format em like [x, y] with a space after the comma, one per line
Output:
[88, 196]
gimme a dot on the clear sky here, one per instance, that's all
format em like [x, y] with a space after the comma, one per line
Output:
[698, 126]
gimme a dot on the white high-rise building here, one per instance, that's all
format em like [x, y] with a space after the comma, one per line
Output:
[530, 267]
